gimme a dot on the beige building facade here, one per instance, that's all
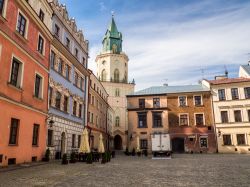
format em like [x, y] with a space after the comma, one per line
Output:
[112, 71]
[231, 104]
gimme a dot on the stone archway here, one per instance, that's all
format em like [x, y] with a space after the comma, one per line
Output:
[118, 142]
[178, 145]
[63, 143]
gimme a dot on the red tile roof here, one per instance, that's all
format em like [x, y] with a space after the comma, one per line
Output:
[229, 80]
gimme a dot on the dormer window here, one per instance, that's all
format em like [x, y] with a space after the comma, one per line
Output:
[67, 43]
[57, 30]
[41, 15]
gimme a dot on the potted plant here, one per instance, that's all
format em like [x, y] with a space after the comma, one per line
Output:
[47, 155]
[65, 159]
[89, 159]
[133, 152]
[113, 154]
[104, 158]
[73, 157]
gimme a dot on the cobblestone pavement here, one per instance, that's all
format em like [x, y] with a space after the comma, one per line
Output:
[181, 170]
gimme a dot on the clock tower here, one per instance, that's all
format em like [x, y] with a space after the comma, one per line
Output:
[112, 71]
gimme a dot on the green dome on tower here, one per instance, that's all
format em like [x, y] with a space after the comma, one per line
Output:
[112, 41]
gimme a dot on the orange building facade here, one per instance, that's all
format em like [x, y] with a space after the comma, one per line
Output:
[24, 56]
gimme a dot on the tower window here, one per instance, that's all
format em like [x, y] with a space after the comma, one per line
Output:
[104, 75]
[116, 75]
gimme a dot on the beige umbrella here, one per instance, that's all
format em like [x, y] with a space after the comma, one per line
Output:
[100, 145]
[84, 148]
[138, 144]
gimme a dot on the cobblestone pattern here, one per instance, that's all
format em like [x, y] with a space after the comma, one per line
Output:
[181, 170]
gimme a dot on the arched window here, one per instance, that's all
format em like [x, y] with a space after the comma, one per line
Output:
[114, 48]
[125, 77]
[104, 75]
[117, 92]
[117, 121]
[116, 75]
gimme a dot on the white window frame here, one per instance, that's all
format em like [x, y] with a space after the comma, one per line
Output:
[241, 113]
[228, 115]
[231, 136]
[201, 100]
[41, 84]
[44, 43]
[21, 70]
[204, 123]
[200, 141]
[179, 101]
[27, 23]
[180, 118]
[4, 8]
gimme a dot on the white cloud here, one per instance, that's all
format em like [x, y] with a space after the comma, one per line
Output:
[102, 6]
[162, 48]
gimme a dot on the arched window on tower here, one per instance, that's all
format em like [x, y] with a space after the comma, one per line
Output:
[104, 75]
[116, 75]
[117, 121]
[125, 77]
[114, 48]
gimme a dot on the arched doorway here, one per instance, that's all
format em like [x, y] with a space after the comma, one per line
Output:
[178, 145]
[63, 143]
[118, 142]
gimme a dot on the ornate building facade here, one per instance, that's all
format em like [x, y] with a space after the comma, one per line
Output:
[112, 71]
[24, 55]
[67, 84]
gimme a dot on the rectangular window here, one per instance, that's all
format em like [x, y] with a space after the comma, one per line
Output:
[142, 103]
[227, 139]
[235, 94]
[157, 121]
[57, 30]
[73, 140]
[197, 100]
[58, 100]
[156, 102]
[83, 61]
[79, 140]
[76, 53]
[1, 6]
[67, 71]
[182, 100]
[35, 134]
[21, 25]
[40, 44]
[247, 92]
[81, 83]
[38, 86]
[50, 95]
[93, 100]
[80, 111]
[248, 112]
[224, 117]
[222, 96]
[142, 120]
[199, 119]
[50, 137]
[74, 108]
[237, 116]
[52, 59]
[67, 43]
[183, 119]
[65, 103]
[203, 142]
[14, 131]
[241, 139]
[41, 15]
[76, 79]
[60, 66]
[15, 73]
[144, 143]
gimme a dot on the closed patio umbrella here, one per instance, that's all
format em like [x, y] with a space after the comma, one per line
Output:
[138, 144]
[101, 145]
[84, 148]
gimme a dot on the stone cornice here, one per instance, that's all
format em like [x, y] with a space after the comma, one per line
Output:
[102, 55]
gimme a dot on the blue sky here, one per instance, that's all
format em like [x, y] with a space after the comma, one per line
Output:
[170, 40]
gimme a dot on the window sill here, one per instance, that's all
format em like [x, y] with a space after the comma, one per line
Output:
[40, 54]
[38, 98]
[157, 127]
[21, 37]
[35, 146]
[2, 19]
[184, 106]
[199, 105]
[142, 127]
[16, 88]
[13, 145]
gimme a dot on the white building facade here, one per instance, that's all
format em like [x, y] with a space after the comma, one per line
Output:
[231, 104]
